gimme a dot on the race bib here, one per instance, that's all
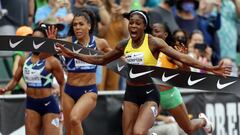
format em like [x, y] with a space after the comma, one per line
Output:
[136, 58]
[32, 77]
[79, 63]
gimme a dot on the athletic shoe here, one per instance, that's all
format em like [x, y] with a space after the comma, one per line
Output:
[209, 127]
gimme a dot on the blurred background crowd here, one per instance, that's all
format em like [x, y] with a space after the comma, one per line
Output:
[208, 28]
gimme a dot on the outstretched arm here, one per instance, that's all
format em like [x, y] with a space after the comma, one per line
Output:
[162, 46]
[16, 78]
[98, 59]
[182, 49]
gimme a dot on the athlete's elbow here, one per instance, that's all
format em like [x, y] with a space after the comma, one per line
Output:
[16, 79]
[62, 83]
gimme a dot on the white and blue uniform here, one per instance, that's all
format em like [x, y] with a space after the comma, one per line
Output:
[78, 66]
[36, 76]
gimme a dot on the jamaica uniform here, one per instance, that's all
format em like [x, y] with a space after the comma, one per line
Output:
[140, 56]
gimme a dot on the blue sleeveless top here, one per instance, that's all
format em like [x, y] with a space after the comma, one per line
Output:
[78, 66]
[36, 75]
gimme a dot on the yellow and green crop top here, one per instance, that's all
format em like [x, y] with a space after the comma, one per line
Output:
[141, 55]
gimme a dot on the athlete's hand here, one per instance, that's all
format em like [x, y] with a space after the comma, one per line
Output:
[64, 51]
[181, 48]
[2, 91]
[52, 32]
[221, 69]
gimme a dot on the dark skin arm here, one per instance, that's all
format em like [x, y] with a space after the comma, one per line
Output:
[16, 78]
[181, 66]
[182, 49]
[158, 45]
[98, 59]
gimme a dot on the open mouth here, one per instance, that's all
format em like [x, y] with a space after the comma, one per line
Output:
[133, 34]
[78, 33]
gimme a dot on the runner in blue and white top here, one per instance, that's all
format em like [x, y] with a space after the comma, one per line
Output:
[42, 109]
[80, 94]
[77, 66]
[36, 74]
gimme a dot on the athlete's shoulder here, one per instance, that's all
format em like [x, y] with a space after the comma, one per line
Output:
[122, 45]
[22, 61]
[52, 60]
[102, 44]
[101, 41]
[124, 42]
[152, 39]
[155, 41]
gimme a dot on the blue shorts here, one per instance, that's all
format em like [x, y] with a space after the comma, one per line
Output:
[43, 105]
[77, 91]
